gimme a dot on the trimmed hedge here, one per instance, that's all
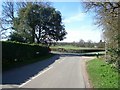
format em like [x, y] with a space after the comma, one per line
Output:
[77, 50]
[13, 51]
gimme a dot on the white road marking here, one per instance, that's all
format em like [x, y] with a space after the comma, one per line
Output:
[36, 76]
[51, 66]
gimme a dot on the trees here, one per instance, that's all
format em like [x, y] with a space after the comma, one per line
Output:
[6, 18]
[34, 21]
[82, 43]
[43, 24]
[9, 12]
[101, 44]
[16, 37]
[107, 18]
[89, 44]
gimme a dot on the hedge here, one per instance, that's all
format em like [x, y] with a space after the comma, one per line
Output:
[13, 51]
[77, 50]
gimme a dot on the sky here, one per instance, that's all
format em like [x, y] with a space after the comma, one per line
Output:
[78, 24]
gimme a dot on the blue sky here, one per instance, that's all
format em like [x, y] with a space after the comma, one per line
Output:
[78, 24]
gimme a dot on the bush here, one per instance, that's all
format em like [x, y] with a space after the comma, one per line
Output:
[13, 51]
[113, 57]
[77, 50]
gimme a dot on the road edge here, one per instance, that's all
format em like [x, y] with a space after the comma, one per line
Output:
[85, 74]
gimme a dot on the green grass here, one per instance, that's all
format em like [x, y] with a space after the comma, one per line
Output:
[76, 49]
[102, 75]
[71, 47]
[17, 64]
[67, 47]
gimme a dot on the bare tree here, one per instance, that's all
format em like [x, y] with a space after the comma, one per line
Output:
[9, 12]
[107, 18]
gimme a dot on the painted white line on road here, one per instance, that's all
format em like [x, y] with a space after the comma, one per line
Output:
[35, 76]
[42, 72]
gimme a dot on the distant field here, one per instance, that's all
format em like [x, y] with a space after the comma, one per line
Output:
[75, 49]
[72, 47]
[66, 47]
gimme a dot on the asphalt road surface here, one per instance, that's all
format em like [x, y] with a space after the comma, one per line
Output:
[65, 71]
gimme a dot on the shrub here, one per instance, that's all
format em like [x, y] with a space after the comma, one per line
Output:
[77, 50]
[14, 51]
[113, 57]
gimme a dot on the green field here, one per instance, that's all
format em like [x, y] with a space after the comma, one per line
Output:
[76, 49]
[101, 74]
[70, 47]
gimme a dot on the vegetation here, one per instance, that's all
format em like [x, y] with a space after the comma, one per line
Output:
[9, 12]
[28, 22]
[102, 75]
[79, 47]
[81, 43]
[107, 18]
[75, 49]
[35, 22]
[17, 64]
[18, 53]
[65, 47]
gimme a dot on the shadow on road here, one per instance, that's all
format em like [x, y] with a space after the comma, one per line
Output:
[20, 75]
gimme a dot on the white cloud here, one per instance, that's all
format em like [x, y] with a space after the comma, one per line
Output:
[77, 17]
[76, 35]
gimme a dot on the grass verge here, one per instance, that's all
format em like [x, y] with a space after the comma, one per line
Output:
[16, 64]
[101, 74]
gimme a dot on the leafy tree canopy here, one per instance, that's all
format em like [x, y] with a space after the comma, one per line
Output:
[39, 23]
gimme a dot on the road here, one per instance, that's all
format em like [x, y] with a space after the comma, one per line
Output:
[67, 71]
